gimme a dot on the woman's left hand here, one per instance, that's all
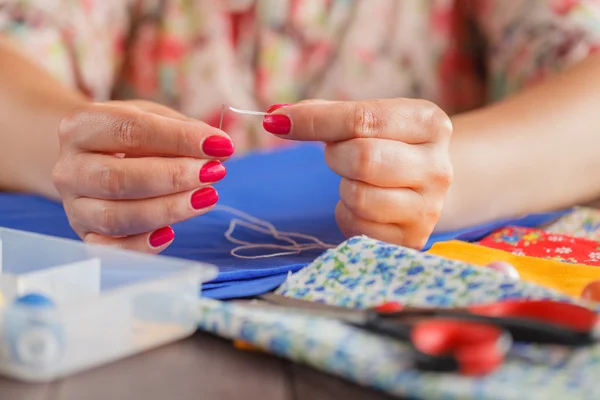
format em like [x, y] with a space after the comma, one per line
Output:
[393, 156]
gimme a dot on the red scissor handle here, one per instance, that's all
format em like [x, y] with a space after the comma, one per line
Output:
[477, 348]
[558, 313]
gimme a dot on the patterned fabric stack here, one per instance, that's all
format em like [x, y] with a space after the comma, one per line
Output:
[363, 272]
[564, 255]
[554, 263]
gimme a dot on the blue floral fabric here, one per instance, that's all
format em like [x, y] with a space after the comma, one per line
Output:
[363, 272]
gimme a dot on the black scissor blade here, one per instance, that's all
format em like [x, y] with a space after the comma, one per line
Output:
[307, 308]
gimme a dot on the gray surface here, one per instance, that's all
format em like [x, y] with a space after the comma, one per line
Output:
[202, 367]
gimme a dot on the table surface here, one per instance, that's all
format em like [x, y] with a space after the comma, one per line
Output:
[201, 367]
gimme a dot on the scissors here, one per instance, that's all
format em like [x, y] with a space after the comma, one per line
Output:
[472, 340]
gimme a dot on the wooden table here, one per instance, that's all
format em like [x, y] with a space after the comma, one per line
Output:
[201, 367]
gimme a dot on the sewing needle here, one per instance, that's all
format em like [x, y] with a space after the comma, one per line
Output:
[222, 115]
[238, 111]
[247, 112]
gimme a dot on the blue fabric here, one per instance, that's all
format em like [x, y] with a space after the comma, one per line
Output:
[243, 288]
[291, 188]
[478, 232]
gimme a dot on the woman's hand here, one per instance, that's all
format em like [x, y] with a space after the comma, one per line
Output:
[392, 155]
[128, 170]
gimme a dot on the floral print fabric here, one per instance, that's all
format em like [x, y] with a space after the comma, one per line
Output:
[194, 55]
[538, 243]
[565, 277]
[363, 272]
[582, 222]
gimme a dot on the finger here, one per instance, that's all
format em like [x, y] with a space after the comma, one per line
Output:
[159, 109]
[114, 178]
[408, 120]
[275, 107]
[369, 160]
[148, 106]
[113, 129]
[153, 242]
[133, 217]
[152, 107]
[352, 225]
[385, 205]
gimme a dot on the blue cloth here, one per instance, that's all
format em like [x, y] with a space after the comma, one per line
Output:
[243, 288]
[291, 188]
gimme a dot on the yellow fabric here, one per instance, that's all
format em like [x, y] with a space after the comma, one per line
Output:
[568, 278]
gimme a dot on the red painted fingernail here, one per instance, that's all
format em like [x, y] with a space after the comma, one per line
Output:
[212, 171]
[204, 197]
[217, 146]
[161, 236]
[277, 124]
[275, 107]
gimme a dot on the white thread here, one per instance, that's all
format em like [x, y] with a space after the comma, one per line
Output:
[248, 112]
[267, 228]
[264, 227]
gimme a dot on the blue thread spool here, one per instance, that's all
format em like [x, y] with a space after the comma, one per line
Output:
[32, 339]
[35, 300]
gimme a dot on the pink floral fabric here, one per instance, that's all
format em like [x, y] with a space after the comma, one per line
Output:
[194, 55]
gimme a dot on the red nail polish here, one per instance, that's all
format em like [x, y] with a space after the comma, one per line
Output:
[275, 107]
[204, 198]
[277, 124]
[217, 146]
[161, 236]
[212, 171]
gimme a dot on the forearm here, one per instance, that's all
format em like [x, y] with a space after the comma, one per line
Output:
[32, 104]
[536, 151]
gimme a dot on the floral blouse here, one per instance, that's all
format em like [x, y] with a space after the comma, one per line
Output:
[195, 55]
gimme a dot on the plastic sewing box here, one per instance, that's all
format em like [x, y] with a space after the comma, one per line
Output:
[99, 304]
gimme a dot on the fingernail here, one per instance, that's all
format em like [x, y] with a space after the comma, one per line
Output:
[161, 236]
[277, 124]
[217, 146]
[204, 198]
[275, 107]
[212, 171]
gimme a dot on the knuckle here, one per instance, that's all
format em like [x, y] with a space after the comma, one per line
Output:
[416, 243]
[128, 133]
[434, 212]
[441, 174]
[365, 121]
[178, 174]
[60, 179]
[68, 125]
[185, 140]
[171, 209]
[71, 206]
[363, 164]
[434, 119]
[345, 220]
[113, 181]
[108, 221]
[418, 213]
[357, 195]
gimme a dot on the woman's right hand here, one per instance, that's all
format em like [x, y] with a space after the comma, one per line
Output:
[128, 170]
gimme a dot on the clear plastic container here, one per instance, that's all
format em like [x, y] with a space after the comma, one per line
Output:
[106, 304]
